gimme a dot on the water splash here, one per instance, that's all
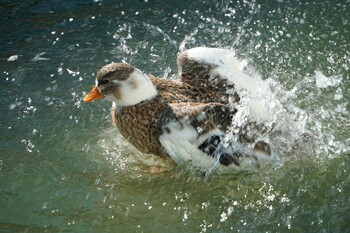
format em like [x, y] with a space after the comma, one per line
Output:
[304, 121]
[124, 157]
[312, 117]
[292, 132]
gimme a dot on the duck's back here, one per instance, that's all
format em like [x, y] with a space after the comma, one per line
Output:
[141, 124]
[200, 91]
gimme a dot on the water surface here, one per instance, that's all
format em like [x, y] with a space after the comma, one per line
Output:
[64, 168]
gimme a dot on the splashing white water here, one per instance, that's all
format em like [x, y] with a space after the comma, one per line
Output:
[293, 132]
[313, 128]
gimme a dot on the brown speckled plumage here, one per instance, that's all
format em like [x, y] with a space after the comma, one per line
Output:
[176, 100]
[139, 124]
[123, 69]
[198, 98]
[211, 88]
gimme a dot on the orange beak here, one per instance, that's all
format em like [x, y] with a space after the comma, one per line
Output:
[94, 94]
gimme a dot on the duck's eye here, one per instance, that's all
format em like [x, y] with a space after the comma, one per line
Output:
[103, 81]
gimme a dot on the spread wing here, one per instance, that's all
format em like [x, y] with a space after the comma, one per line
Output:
[220, 72]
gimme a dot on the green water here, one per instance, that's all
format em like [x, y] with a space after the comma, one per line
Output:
[64, 168]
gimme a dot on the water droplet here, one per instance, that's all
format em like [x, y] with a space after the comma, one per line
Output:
[12, 58]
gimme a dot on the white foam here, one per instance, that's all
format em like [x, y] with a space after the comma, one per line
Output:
[323, 82]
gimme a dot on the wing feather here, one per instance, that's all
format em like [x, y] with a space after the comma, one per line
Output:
[219, 70]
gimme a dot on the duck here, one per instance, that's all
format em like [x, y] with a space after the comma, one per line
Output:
[192, 119]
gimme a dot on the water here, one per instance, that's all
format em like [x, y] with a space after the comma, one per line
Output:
[63, 167]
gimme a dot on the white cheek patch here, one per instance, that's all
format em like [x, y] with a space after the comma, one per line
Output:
[135, 89]
[111, 98]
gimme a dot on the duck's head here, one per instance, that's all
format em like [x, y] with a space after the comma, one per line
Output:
[123, 84]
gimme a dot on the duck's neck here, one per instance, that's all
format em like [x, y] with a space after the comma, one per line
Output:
[138, 88]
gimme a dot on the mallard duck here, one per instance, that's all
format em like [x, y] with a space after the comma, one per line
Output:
[186, 119]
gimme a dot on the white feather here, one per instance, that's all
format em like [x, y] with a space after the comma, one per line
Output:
[230, 69]
[129, 94]
[181, 145]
